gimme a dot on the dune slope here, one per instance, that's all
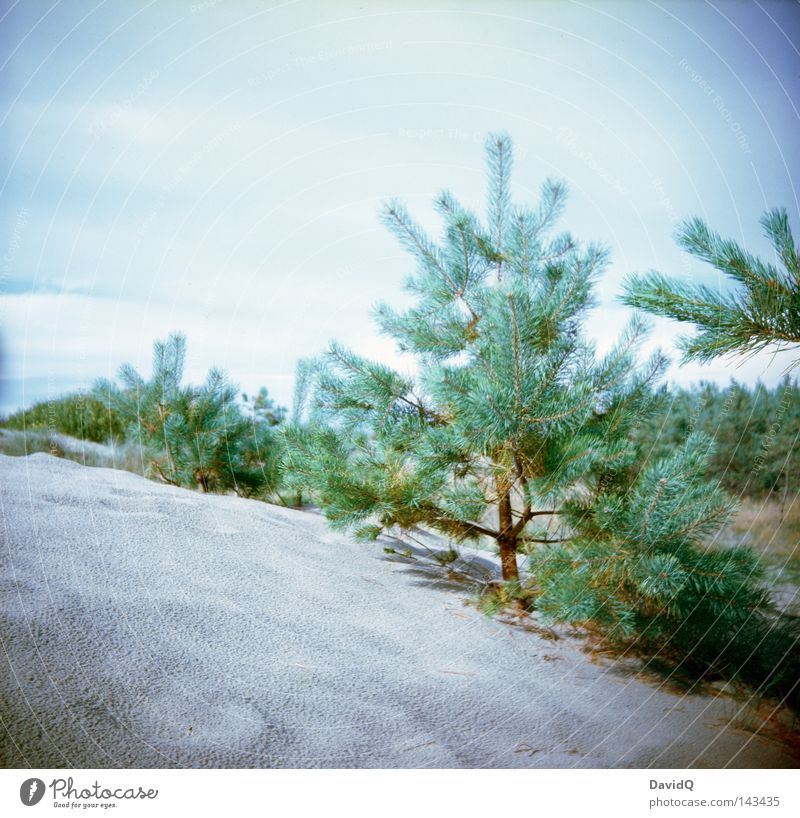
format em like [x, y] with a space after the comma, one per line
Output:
[148, 626]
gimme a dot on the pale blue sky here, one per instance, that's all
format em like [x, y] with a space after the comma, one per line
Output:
[216, 167]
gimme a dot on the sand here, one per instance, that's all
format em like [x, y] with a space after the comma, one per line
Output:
[149, 626]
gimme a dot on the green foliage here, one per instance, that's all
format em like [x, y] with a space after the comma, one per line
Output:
[294, 474]
[261, 408]
[200, 435]
[511, 409]
[638, 560]
[731, 629]
[79, 415]
[756, 431]
[644, 567]
[762, 311]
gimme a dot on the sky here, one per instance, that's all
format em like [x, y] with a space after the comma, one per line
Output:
[217, 166]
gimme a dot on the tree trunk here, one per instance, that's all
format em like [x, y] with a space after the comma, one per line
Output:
[163, 419]
[508, 558]
[506, 542]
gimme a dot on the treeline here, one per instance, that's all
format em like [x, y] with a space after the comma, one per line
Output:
[756, 431]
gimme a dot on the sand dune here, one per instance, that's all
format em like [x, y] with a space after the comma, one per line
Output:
[148, 626]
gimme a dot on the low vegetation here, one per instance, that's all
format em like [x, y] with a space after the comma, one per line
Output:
[115, 455]
[81, 415]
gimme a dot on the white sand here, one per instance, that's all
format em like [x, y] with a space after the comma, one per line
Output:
[146, 626]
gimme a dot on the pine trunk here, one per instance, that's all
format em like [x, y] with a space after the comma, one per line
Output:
[506, 541]
[508, 559]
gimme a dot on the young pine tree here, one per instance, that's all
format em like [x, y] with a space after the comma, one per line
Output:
[297, 429]
[262, 408]
[514, 429]
[511, 412]
[196, 436]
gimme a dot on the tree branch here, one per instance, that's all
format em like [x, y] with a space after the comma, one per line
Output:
[467, 526]
[526, 517]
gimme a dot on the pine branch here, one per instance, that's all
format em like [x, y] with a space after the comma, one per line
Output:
[763, 312]
[499, 153]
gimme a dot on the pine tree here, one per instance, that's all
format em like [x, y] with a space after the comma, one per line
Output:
[262, 408]
[511, 411]
[297, 428]
[513, 429]
[762, 311]
[197, 436]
